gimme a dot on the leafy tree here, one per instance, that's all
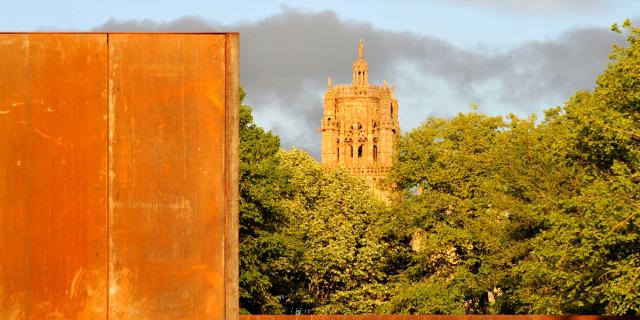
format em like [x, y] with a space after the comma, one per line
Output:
[311, 241]
[511, 216]
[588, 261]
[447, 172]
[337, 220]
[263, 185]
[491, 215]
[431, 297]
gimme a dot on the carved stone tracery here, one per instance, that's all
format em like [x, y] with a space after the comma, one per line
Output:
[361, 122]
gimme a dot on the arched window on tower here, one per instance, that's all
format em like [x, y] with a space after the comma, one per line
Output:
[338, 153]
[391, 109]
[375, 153]
[360, 151]
[351, 151]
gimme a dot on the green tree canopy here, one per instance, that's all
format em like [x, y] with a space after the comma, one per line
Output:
[490, 214]
[517, 217]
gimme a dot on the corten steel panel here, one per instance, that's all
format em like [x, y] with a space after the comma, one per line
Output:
[167, 167]
[118, 176]
[430, 317]
[53, 177]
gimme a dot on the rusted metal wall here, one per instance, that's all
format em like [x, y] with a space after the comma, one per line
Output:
[118, 176]
[53, 178]
[430, 317]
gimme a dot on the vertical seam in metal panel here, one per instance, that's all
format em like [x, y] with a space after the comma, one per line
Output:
[108, 105]
[27, 117]
[226, 179]
[236, 173]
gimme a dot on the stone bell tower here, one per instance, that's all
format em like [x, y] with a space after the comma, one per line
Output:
[359, 125]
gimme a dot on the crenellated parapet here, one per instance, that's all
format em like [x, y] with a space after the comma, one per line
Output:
[345, 90]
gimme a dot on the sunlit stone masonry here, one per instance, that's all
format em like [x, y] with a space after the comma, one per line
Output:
[359, 125]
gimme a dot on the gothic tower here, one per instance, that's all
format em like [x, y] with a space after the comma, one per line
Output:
[359, 125]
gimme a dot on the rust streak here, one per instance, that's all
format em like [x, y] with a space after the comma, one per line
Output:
[75, 283]
[58, 140]
[42, 134]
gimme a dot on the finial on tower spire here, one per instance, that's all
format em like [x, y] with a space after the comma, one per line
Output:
[329, 83]
[360, 49]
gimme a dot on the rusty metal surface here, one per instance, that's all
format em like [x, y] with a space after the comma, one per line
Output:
[232, 261]
[167, 195]
[431, 317]
[53, 184]
[118, 176]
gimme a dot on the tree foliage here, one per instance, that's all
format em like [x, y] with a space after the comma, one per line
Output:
[263, 185]
[337, 219]
[490, 214]
[532, 218]
[311, 241]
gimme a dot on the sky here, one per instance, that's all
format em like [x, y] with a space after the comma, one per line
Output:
[506, 56]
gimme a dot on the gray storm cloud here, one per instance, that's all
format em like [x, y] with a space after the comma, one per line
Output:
[287, 57]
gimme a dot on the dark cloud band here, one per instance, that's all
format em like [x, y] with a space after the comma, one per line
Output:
[286, 59]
